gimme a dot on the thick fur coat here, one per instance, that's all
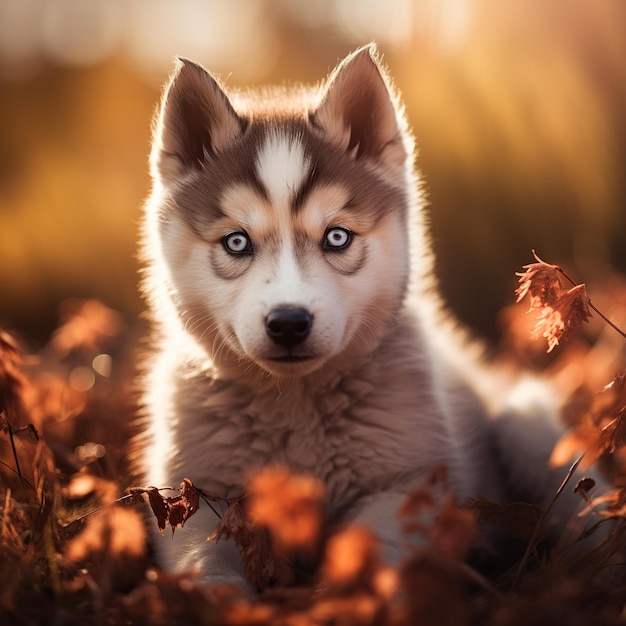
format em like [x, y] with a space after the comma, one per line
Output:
[288, 272]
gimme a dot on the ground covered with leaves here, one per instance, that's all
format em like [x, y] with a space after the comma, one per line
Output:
[73, 539]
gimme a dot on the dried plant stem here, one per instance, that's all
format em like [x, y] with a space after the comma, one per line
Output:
[53, 567]
[138, 491]
[478, 579]
[217, 514]
[5, 513]
[533, 541]
[606, 319]
[12, 469]
[17, 462]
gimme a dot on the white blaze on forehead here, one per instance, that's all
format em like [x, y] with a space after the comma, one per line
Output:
[282, 167]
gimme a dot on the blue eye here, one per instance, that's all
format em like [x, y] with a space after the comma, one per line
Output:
[337, 238]
[237, 243]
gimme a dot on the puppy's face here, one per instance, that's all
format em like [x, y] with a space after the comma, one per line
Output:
[284, 239]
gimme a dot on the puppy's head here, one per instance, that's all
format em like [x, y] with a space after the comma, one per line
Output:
[278, 221]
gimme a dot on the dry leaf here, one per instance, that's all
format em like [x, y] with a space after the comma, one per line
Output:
[175, 510]
[584, 486]
[541, 281]
[609, 505]
[291, 507]
[432, 510]
[351, 557]
[13, 383]
[182, 507]
[562, 311]
[566, 315]
[254, 545]
[549, 325]
[455, 529]
[601, 430]
[419, 507]
[434, 590]
[116, 531]
[159, 507]
[85, 324]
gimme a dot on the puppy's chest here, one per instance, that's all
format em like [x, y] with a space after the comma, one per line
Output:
[338, 435]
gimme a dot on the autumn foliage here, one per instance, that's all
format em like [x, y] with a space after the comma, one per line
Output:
[73, 522]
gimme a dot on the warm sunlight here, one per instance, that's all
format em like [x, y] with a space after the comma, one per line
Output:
[255, 369]
[516, 108]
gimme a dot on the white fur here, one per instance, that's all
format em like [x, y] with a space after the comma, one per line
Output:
[389, 391]
[282, 166]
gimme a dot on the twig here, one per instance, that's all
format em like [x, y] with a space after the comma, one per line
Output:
[541, 520]
[28, 428]
[209, 497]
[128, 496]
[138, 491]
[606, 319]
[477, 578]
[17, 462]
[5, 512]
[12, 469]
[218, 515]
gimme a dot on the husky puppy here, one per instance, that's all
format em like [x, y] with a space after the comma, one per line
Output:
[289, 276]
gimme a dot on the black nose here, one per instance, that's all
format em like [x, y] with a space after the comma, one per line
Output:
[288, 325]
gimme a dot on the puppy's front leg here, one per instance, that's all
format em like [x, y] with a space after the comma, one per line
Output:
[379, 513]
[216, 562]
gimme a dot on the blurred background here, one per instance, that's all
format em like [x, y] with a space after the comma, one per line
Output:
[519, 109]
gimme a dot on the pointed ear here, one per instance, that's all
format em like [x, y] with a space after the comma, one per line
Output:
[358, 110]
[196, 120]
